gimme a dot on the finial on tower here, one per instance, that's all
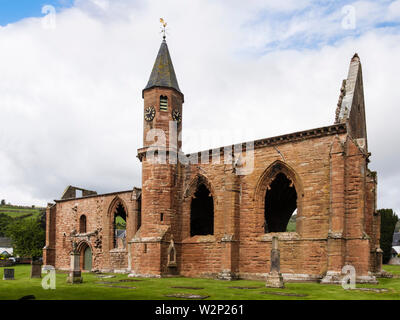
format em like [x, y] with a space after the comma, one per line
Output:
[355, 57]
[163, 27]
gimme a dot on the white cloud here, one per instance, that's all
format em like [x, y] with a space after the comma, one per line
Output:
[394, 10]
[71, 105]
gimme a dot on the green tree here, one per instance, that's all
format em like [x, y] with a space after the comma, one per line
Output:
[388, 223]
[5, 220]
[120, 223]
[28, 237]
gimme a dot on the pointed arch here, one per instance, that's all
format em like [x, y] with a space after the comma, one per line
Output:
[269, 175]
[82, 245]
[114, 204]
[195, 183]
[278, 173]
[117, 208]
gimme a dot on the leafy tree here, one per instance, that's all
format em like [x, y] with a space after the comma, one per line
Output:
[5, 220]
[28, 237]
[42, 218]
[388, 223]
[3, 202]
[120, 223]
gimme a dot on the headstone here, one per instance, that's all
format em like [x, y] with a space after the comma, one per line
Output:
[274, 277]
[75, 275]
[8, 274]
[36, 271]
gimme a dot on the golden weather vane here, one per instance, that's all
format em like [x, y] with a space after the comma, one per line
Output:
[163, 26]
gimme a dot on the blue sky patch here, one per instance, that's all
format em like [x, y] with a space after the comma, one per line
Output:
[15, 10]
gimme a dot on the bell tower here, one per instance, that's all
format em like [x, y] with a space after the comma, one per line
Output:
[162, 124]
[162, 101]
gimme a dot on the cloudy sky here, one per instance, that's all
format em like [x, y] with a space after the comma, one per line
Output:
[71, 75]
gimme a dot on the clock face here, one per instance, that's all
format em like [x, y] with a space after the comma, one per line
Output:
[176, 115]
[149, 113]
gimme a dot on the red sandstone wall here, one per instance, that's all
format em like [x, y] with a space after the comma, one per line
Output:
[239, 244]
[96, 210]
[304, 253]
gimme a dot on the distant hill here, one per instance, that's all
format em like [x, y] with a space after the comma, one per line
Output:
[21, 212]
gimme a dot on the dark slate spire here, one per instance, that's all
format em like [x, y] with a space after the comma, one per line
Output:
[163, 74]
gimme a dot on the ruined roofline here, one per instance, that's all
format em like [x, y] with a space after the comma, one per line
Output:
[70, 192]
[277, 140]
[97, 195]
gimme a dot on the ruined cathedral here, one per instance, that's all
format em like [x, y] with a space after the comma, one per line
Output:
[205, 218]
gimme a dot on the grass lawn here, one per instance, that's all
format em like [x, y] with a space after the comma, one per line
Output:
[155, 289]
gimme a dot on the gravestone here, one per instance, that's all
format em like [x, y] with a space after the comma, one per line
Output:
[36, 271]
[75, 275]
[274, 277]
[8, 274]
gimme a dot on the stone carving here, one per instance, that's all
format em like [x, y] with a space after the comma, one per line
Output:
[86, 236]
[74, 246]
[171, 254]
[98, 242]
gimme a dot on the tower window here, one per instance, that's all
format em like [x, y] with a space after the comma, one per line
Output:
[163, 103]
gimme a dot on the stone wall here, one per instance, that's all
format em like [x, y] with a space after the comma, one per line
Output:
[63, 228]
[239, 213]
[336, 217]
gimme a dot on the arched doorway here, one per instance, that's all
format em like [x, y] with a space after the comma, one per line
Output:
[87, 262]
[280, 204]
[86, 256]
[202, 212]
